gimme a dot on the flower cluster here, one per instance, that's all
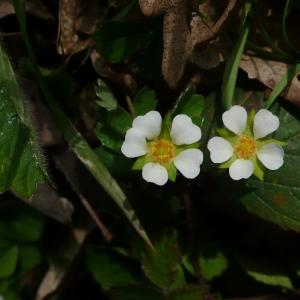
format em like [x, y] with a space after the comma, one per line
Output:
[163, 147]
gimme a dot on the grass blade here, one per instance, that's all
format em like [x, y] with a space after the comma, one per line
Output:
[286, 78]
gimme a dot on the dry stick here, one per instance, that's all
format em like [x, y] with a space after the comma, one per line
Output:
[130, 106]
[104, 230]
[193, 242]
[63, 166]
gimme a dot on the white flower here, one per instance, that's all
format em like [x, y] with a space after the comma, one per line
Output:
[162, 151]
[242, 145]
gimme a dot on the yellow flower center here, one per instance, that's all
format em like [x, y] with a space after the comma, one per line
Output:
[162, 151]
[246, 147]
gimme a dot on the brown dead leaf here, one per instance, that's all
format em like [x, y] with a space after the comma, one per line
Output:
[33, 7]
[57, 276]
[177, 44]
[203, 30]
[50, 282]
[180, 37]
[48, 202]
[154, 7]
[210, 56]
[6, 8]
[68, 41]
[270, 73]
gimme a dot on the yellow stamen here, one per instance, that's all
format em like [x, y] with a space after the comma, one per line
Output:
[162, 151]
[246, 147]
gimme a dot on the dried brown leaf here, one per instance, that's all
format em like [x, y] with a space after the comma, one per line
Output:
[154, 7]
[270, 73]
[177, 44]
[48, 202]
[33, 7]
[68, 41]
[205, 30]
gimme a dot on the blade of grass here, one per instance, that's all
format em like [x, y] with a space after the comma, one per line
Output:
[265, 35]
[78, 144]
[233, 63]
[286, 12]
[286, 78]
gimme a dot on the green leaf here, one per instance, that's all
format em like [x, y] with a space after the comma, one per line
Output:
[107, 268]
[29, 257]
[78, 144]
[8, 261]
[190, 104]
[265, 272]
[232, 67]
[118, 41]
[188, 293]
[21, 162]
[290, 5]
[116, 163]
[107, 99]
[24, 225]
[162, 266]
[120, 120]
[136, 292]
[277, 198]
[144, 101]
[212, 262]
[109, 137]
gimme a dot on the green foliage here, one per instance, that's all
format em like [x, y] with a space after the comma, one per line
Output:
[134, 292]
[26, 226]
[8, 261]
[232, 65]
[188, 293]
[266, 272]
[79, 145]
[212, 263]
[21, 161]
[106, 97]
[118, 41]
[276, 199]
[162, 266]
[144, 101]
[191, 104]
[239, 255]
[108, 268]
[21, 229]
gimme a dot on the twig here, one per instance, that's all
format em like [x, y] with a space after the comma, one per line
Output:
[63, 161]
[104, 230]
[130, 106]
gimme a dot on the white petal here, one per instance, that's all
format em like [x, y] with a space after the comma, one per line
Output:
[135, 143]
[149, 124]
[241, 169]
[235, 119]
[184, 131]
[264, 123]
[188, 162]
[271, 156]
[155, 173]
[220, 149]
